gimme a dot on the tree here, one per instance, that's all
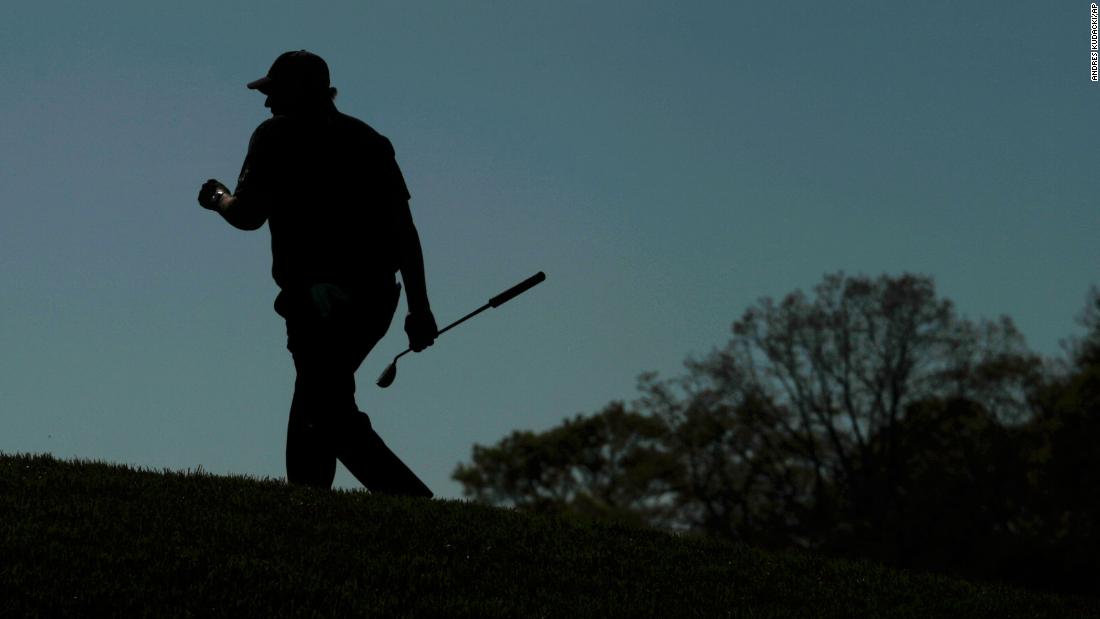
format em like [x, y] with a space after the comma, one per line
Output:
[867, 420]
[794, 431]
[607, 466]
[961, 496]
[819, 389]
[731, 475]
[1085, 351]
[1063, 436]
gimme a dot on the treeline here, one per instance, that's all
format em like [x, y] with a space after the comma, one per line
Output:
[869, 420]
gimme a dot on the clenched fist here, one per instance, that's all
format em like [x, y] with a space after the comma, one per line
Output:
[211, 194]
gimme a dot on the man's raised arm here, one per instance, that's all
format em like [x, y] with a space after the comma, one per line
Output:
[246, 214]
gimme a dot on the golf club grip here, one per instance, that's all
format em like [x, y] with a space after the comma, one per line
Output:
[517, 290]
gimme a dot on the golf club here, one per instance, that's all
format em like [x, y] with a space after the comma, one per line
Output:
[385, 379]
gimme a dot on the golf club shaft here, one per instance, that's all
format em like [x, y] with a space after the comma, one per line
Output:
[496, 301]
[450, 326]
[463, 319]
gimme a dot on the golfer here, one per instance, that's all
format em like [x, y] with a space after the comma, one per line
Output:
[331, 192]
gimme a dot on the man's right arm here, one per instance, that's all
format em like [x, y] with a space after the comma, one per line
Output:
[241, 213]
[246, 208]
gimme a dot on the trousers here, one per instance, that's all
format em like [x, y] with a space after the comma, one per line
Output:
[325, 423]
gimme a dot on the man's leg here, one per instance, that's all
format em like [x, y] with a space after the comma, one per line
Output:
[310, 459]
[325, 422]
[358, 446]
[367, 457]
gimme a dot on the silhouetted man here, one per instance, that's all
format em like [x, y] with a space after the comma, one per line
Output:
[333, 196]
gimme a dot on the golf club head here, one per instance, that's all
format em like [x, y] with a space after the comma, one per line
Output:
[385, 379]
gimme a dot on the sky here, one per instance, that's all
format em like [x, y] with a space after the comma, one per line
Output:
[665, 164]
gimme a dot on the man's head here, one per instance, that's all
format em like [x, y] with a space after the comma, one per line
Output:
[297, 81]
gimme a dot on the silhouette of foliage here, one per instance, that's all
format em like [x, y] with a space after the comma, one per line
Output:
[867, 420]
[1085, 351]
[607, 466]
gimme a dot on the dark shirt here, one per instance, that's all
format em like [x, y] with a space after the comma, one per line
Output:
[333, 197]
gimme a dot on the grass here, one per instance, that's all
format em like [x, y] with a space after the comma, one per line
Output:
[90, 539]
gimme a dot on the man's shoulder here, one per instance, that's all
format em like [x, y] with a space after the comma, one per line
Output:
[271, 131]
[347, 131]
[364, 132]
[274, 124]
[354, 123]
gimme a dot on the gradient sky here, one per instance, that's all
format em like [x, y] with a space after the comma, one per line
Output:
[666, 164]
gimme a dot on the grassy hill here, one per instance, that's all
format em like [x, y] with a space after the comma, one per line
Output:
[89, 539]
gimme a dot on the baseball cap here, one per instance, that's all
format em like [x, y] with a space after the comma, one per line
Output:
[295, 70]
